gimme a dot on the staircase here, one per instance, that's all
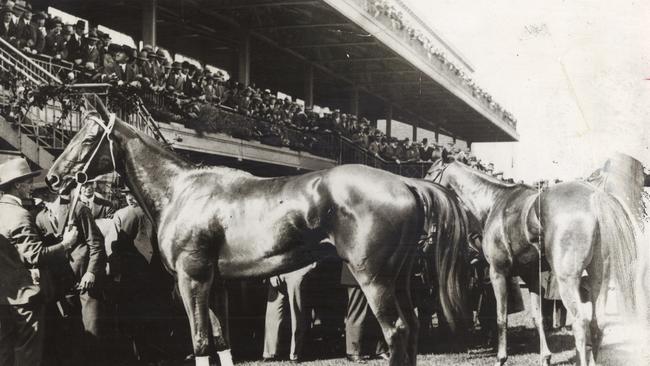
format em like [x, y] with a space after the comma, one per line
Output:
[13, 60]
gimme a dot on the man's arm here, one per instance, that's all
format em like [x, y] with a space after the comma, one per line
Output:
[28, 241]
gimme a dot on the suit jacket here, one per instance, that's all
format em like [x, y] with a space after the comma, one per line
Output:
[38, 38]
[89, 55]
[7, 32]
[25, 251]
[74, 49]
[88, 255]
[101, 208]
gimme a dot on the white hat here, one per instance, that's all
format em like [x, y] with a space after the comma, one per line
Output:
[15, 169]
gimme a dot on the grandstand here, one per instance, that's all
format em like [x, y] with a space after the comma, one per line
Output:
[365, 58]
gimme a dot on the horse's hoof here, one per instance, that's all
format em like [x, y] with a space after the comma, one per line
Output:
[500, 362]
[546, 360]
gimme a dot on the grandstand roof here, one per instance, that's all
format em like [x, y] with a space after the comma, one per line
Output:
[348, 47]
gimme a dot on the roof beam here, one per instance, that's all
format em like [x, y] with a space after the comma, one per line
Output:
[301, 26]
[244, 5]
[338, 44]
[362, 59]
[382, 72]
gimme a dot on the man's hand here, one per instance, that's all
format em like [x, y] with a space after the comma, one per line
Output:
[87, 282]
[70, 237]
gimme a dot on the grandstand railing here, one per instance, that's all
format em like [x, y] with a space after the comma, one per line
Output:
[12, 59]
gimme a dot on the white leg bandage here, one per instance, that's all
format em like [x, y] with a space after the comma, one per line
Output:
[202, 360]
[225, 357]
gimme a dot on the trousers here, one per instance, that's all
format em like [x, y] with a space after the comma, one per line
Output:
[363, 335]
[283, 298]
[21, 335]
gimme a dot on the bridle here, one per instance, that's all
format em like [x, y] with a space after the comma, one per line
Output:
[438, 177]
[81, 177]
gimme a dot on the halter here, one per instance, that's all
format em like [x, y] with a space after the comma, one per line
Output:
[81, 177]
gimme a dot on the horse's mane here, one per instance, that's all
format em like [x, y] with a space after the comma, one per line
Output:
[490, 181]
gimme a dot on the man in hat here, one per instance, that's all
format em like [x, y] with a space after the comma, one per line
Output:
[174, 80]
[100, 208]
[73, 46]
[132, 266]
[89, 51]
[8, 27]
[54, 44]
[38, 32]
[80, 279]
[23, 260]
[24, 31]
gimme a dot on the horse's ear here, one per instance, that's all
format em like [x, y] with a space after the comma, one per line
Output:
[96, 102]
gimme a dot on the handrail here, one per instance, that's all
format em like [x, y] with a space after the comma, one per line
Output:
[45, 76]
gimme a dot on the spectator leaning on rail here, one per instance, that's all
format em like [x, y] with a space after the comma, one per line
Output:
[25, 281]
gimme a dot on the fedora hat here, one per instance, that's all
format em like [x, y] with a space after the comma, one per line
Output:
[15, 170]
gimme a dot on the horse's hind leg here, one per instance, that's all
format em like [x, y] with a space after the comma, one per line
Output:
[383, 302]
[531, 277]
[219, 321]
[405, 303]
[195, 292]
[599, 283]
[570, 292]
[500, 286]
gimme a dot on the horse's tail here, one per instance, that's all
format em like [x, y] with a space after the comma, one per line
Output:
[618, 236]
[445, 221]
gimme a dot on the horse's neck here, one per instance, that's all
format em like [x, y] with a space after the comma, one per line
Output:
[149, 169]
[477, 192]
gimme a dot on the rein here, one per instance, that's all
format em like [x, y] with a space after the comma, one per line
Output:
[81, 177]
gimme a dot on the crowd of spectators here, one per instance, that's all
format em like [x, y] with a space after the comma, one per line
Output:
[96, 59]
[398, 21]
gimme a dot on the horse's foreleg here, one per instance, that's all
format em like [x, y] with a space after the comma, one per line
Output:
[195, 294]
[499, 284]
[570, 292]
[532, 280]
[219, 322]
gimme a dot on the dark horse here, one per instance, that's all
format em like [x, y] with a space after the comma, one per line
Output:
[576, 226]
[215, 223]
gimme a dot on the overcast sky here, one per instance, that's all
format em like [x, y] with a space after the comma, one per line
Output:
[572, 72]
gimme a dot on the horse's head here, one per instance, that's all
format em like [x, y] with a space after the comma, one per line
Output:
[88, 154]
[437, 169]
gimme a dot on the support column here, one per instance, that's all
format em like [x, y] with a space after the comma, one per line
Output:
[244, 69]
[354, 102]
[309, 86]
[437, 137]
[415, 133]
[149, 17]
[389, 119]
